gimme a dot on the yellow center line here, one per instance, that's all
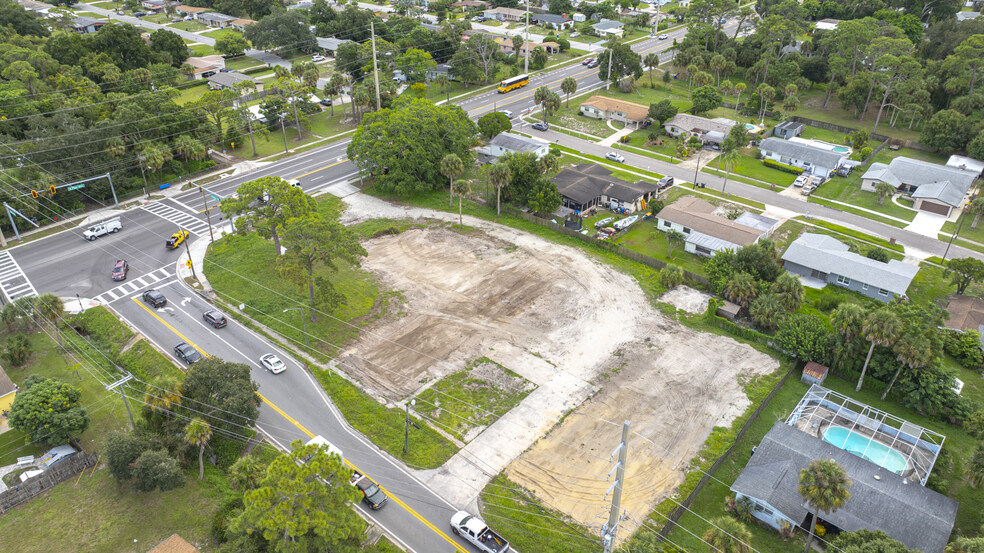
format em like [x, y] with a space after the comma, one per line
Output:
[322, 168]
[527, 95]
[310, 434]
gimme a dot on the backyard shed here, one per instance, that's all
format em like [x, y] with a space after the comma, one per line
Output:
[728, 310]
[814, 373]
[788, 129]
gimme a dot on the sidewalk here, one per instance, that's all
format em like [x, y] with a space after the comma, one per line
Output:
[619, 133]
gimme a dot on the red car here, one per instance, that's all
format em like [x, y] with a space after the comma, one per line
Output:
[587, 61]
[120, 269]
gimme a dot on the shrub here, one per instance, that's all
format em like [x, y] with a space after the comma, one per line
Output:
[671, 276]
[877, 254]
[782, 166]
[975, 424]
[18, 350]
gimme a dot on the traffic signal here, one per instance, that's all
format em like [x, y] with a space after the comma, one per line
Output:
[34, 194]
[51, 190]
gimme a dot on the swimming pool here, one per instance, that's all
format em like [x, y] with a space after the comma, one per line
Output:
[866, 448]
[841, 149]
[750, 127]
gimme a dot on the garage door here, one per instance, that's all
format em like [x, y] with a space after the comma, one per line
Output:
[934, 208]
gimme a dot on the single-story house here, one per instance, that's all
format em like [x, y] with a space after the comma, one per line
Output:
[330, 45]
[551, 21]
[152, 5]
[707, 233]
[965, 163]
[506, 142]
[880, 499]
[602, 107]
[587, 185]
[827, 24]
[302, 5]
[810, 158]
[215, 19]
[966, 313]
[7, 391]
[936, 188]
[174, 544]
[471, 4]
[189, 10]
[241, 24]
[506, 14]
[85, 25]
[439, 69]
[39, 8]
[579, 17]
[814, 373]
[964, 16]
[472, 32]
[788, 129]
[823, 258]
[707, 130]
[608, 27]
[222, 81]
[56, 455]
[505, 44]
[206, 64]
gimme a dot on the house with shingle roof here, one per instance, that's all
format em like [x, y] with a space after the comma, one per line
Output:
[607, 27]
[506, 142]
[936, 188]
[823, 258]
[588, 185]
[222, 81]
[189, 10]
[506, 14]
[707, 233]
[551, 21]
[85, 25]
[215, 19]
[707, 130]
[812, 159]
[602, 107]
[241, 24]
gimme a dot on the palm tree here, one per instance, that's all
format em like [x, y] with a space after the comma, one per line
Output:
[976, 469]
[790, 291]
[499, 175]
[451, 167]
[883, 189]
[766, 93]
[549, 101]
[741, 289]
[729, 158]
[336, 83]
[198, 432]
[739, 88]
[728, 535]
[568, 86]
[549, 164]
[163, 395]
[881, 327]
[442, 80]
[650, 62]
[726, 87]
[691, 71]
[767, 310]
[848, 320]
[702, 78]
[718, 62]
[914, 351]
[460, 188]
[674, 238]
[824, 486]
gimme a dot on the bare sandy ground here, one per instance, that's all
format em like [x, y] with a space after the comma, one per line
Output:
[570, 325]
[686, 298]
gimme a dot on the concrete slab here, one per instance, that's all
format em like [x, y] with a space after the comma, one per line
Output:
[927, 224]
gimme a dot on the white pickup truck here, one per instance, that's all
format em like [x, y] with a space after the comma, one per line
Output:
[478, 533]
[104, 227]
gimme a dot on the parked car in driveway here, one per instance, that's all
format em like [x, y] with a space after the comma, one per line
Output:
[317, 57]
[541, 126]
[154, 298]
[187, 353]
[120, 269]
[325, 102]
[214, 318]
[273, 363]
[615, 156]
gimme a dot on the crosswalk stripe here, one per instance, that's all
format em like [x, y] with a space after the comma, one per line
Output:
[183, 220]
[13, 282]
[133, 286]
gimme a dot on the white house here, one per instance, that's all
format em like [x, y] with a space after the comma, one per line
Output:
[936, 188]
[812, 159]
[707, 233]
[505, 143]
[608, 27]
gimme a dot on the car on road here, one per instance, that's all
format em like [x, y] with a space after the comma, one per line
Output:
[593, 64]
[371, 492]
[120, 269]
[506, 112]
[273, 363]
[615, 156]
[325, 102]
[176, 239]
[154, 298]
[541, 126]
[187, 353]
[663, 37]
[214, 318]
[665, 183]
[318, 57]
[587, 61]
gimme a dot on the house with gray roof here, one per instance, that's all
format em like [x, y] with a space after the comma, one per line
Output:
[812, 159]
[608, 27]
[706, 232]
[85, 25]
[552, 21]
[585, 186]
[966, 164]
[330, 45]
[822, 258]
[215, 19]
[944, 186]
[221, 81]
[880, 499]
[505, 143]
[708, 130]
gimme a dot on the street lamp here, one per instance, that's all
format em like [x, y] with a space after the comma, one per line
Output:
[303, 323]
[406, 427]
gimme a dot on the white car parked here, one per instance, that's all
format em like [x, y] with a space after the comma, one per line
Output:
[615, 157]
[273, 363]
[317, 57]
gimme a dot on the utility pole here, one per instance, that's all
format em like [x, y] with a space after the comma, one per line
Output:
[611, 56]
[375, 71]
[119, 384]
[191, 263]
[283, 129]
[526, 68]
[611, 527]
[207, 214]
[406, 427]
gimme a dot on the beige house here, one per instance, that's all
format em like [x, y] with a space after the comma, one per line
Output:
[241, 24]
[506, 14]
[601, 107]
[205, 66]
[708, 130]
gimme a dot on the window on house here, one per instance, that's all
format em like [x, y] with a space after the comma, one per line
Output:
[686, 230]
[843, 280]
[762, 508]
[667, 224]
[883, 292]
[702, 250]
[864, 286]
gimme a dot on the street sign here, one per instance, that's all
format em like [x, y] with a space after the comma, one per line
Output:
[188, 263]
[216, 198]
[75, 187]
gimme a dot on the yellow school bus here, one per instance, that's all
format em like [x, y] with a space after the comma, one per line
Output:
[518, 81]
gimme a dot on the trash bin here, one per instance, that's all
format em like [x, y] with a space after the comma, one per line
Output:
[703, 185]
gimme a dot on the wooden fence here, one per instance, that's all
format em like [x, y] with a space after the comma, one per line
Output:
[46, 480]
[874, 136]
[610, 246]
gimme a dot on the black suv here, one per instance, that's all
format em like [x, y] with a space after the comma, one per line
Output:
[154, 298]
[214, 318]
[187, 353]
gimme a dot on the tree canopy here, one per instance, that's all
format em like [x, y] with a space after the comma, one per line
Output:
[49, 410]
[221, 393]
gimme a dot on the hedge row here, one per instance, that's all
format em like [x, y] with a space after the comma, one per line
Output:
[782, 166]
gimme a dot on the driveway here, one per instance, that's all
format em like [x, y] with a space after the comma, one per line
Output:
[927, 224]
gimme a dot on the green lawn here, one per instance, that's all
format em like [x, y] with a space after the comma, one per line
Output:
[646, 239]
[272, 142]
[190, 26]
[848, 190]
[221, 32]
[199, 50]
[571, 118]
[812, 99]
[191, 91]
[833, 137]
[242, 63]
[930, 286]
[748, 166]
[325, 124]
[966, 229]
[473, 398]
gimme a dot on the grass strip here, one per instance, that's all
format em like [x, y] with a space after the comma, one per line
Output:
[859, 212]
[853, 234]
